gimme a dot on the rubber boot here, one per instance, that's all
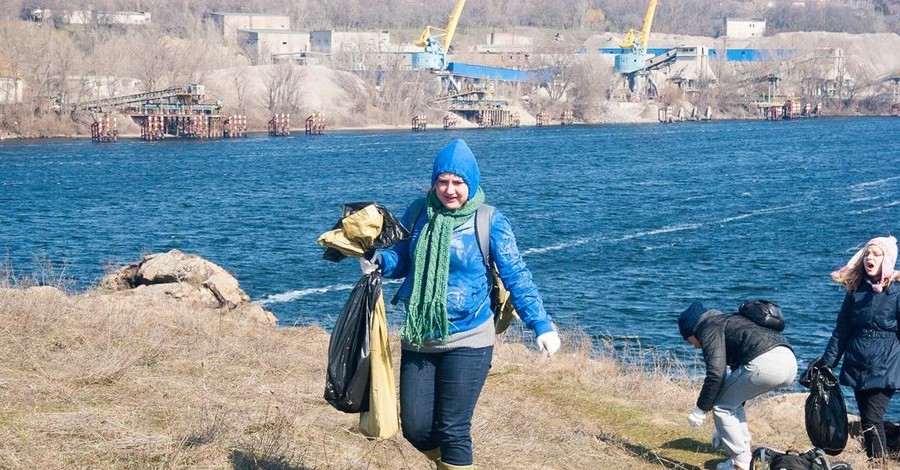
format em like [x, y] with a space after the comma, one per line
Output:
[434, 454]
[447, 466]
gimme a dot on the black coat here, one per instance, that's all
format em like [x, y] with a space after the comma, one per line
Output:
[730, 340]
[866, 337]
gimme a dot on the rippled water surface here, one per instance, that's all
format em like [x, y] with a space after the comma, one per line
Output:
[622, 225]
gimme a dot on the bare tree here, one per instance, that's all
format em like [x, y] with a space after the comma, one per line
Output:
[282, 86]
[67, 68]
[148, 59]
[15, 51]
[590, 80]
[240, 88]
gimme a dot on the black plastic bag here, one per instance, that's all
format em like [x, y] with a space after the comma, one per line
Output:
[391, 232]
[765, 458]
[347, 377]
[826, 414]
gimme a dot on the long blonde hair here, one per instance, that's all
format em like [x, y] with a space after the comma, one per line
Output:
[854, 272]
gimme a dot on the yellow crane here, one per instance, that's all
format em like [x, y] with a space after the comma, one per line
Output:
[634, 64]
[436, 42]
[629, 43]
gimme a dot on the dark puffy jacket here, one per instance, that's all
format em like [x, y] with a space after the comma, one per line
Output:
[866, 337]
[730, 340]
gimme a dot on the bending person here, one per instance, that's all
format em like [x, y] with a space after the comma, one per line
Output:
[761, 360]
[448, 336]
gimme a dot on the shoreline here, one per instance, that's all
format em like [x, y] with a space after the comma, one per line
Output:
[388, 128]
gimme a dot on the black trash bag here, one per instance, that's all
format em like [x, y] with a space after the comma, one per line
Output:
[347, 377]
[892, 435]
[826, 414]
[391, 232]
[765, 458]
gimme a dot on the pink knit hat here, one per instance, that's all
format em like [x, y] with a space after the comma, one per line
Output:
[888, 245]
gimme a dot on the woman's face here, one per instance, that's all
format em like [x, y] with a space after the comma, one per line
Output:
[451, 190]
[872, 261]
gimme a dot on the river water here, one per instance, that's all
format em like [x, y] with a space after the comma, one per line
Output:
[622, 225]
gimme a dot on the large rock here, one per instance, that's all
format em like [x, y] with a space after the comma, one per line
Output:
[186, 278]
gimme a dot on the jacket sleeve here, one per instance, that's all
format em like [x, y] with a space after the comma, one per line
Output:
[843, 330]
[394, 261]
[517, 277]
[712, 339]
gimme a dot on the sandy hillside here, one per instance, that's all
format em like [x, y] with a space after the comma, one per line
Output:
[869, 59]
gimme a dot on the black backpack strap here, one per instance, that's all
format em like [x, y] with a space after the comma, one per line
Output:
[483, 232]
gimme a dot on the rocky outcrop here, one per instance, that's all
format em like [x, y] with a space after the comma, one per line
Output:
[186, 278]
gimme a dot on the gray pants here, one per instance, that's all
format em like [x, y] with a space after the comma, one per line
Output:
[774, 369]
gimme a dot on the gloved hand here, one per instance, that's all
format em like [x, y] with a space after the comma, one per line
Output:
[368, 263]
[697, 417]
[548, 342]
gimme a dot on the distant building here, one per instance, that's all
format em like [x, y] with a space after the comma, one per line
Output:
[11, 90]
[96, 87]
[124, 17]
[740, 28]
[510, 50]
[76, 17]
[38, 15]
[263, 45]
[691, 70]
[503, 43]
[230, 23]
[330, 41]
[823, 72]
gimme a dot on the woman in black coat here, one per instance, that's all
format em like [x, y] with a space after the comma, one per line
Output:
[865, 335]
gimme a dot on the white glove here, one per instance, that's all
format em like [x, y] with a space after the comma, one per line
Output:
[549, 342]
[697, 417]
[367, 267]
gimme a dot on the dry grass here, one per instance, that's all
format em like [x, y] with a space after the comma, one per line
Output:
[89, 384]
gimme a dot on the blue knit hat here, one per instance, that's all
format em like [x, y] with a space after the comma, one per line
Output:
[457, 158]
[688, 319]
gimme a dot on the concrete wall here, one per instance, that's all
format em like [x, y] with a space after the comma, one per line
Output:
[330, 41]
[738, 28]
[124, 17]
[264, 43]
[509, 39]
[230, 23]
[101, 17]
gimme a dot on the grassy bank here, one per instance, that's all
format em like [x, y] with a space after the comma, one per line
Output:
[101, 385]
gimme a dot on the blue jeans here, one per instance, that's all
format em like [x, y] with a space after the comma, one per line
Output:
[438, 393]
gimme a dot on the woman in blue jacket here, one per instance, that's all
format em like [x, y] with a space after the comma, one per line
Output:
[448, 336]
[865, 335]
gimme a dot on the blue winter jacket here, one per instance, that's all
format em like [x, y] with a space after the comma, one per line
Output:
[866, 336]
[468, 300]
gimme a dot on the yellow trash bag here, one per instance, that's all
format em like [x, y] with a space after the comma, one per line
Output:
[355, 233]
[364, 227]
[382, 420]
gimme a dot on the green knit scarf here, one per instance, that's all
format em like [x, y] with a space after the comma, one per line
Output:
[427, 310]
